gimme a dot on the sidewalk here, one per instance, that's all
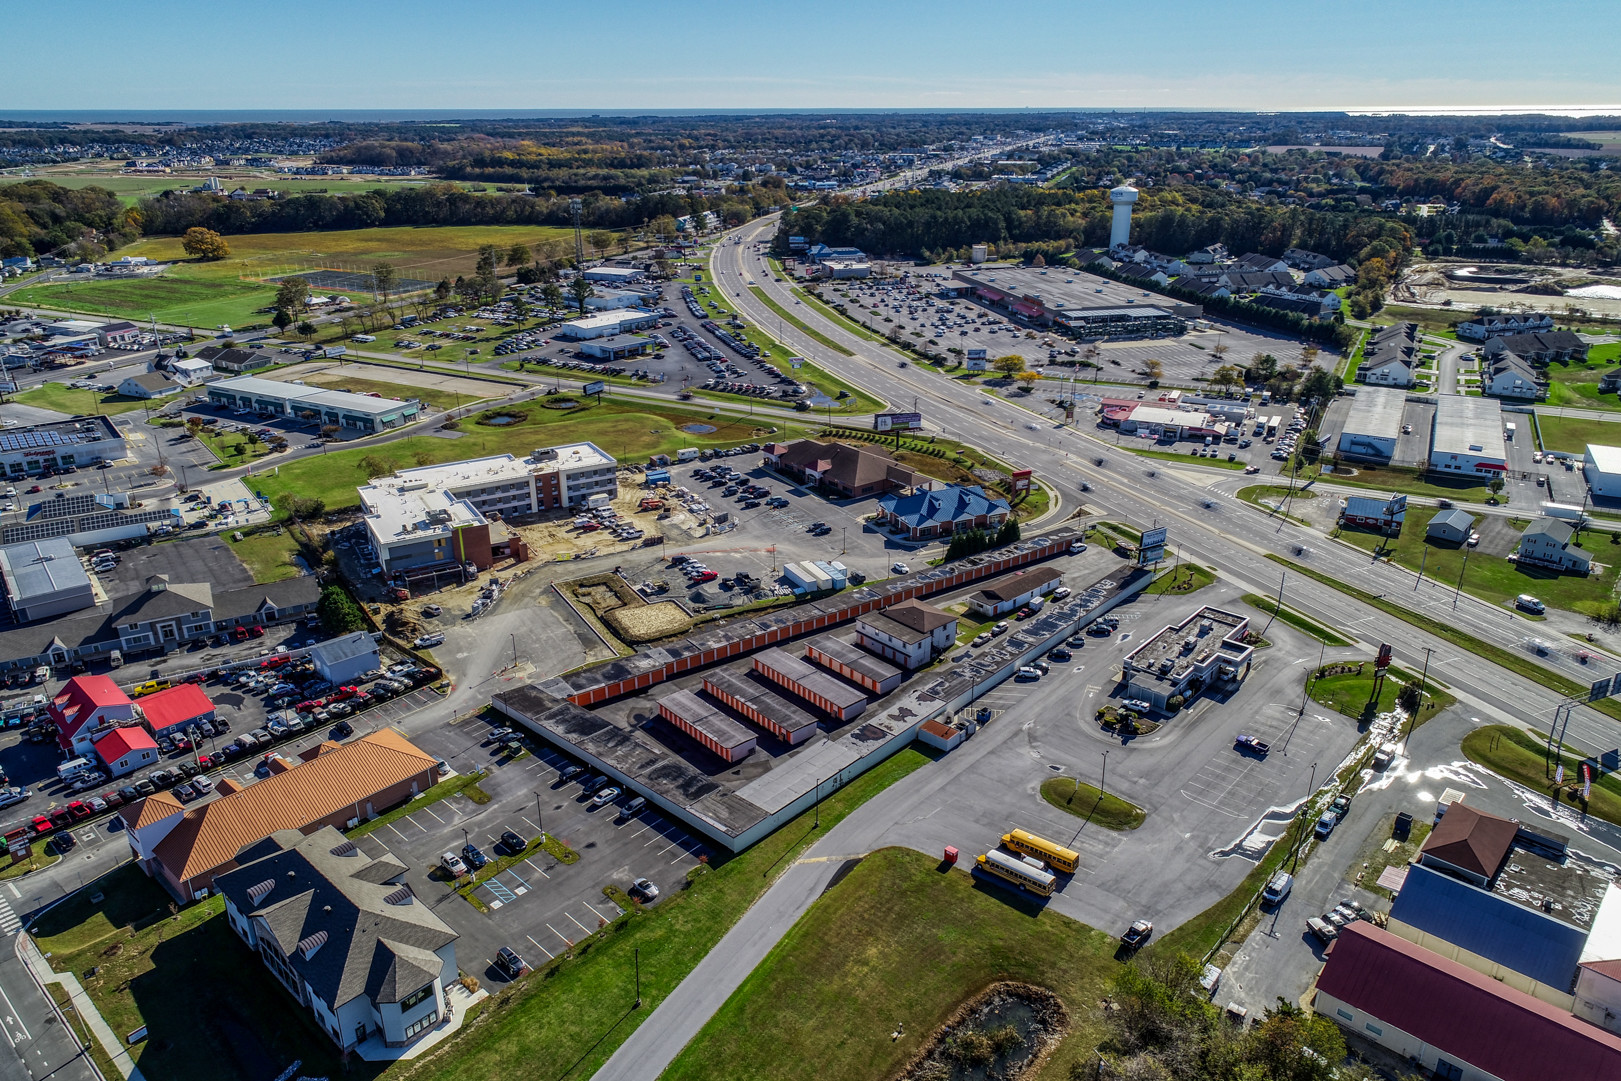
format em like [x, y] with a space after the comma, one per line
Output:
[40, 969]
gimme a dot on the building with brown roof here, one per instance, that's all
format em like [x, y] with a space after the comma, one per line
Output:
[844, 468]
[333, 785]
[1468, 843]
[1002, 595]
[909, 632]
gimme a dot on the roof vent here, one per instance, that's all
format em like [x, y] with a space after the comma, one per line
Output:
[308, 946]
[401, 896]
[257, 893]
[347, 848]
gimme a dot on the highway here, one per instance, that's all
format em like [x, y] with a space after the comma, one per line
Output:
[1205, 523]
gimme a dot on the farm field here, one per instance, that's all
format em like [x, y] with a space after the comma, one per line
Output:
[131, 188]
[230, 291]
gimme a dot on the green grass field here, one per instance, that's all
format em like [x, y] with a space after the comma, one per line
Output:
[1183, 579]
[233, 449]
[1493, 578]
[1351, 693]
[630, 432]
[336, 379]
[177, 297]
[1296, 620]
[65, 399]
[1573, 434]
[1523, 758]
[1413, 482]
[131, 188]
[1576, 383]
[268, 555]
[1186, 459]
[901, 941]
[1259, 495]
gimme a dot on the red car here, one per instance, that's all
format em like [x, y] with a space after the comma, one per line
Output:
[706, 576]
[61, 817]
[113, 798]
[309, 705]
[256, 631]
[41, 825]
[77, 810]
[343, 693]
[209, 761]
[239, 633]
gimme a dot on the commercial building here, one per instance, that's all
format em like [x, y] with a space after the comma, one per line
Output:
[1373, 425]
[80, 441]
[911, 633]
[942, 512]
[127, 749]
[759, 700]
[332, 785]
[861, 668]
[1002, 595]
[360, 412]
[604, 300]
[1206, 649]
[171, 711]
[617, 347]
[191, 371]
[1088, 305]
[85, 708]
[618, 275]
[708, 725]
[234, 361]
[844, 468]
[1598, 973]
[1161, 421]
[1451, 1020]
[149, 385]
[347, 658]
[334, 921]
[1549, 542]
[1381, 514]
[159, 599]
[1467, 437]
[441, 514]
[44, 578]
[1601, 466]
[605, 324]
[90, 518]
[833, 697]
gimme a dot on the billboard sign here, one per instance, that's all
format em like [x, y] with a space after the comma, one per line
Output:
[885, 422]
[596, 386]
[1022, 482]
[1382, 661]
[1152, 548]
[976, 354]
[1601, 688]
[796, 362]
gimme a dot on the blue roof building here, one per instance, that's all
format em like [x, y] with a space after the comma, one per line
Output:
[1524, 947]
[940, 512]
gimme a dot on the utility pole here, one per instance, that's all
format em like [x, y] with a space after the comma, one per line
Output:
[1104, 778]
[1421, 563]
[1423, 676]
[1461, 571]
[514, 651]
[638, 956]
[539, 821]
[818, 824]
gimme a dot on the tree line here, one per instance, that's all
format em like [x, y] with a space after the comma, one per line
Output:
[41, 218]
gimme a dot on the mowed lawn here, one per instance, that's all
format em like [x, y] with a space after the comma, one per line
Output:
[73, 401]
[1574, 433]
[179, 297]
[900, 941]
[623, 430]
[1576, 383]
[1493, 578]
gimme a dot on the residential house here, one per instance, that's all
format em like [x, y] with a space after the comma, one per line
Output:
[125, 750]
[1143, 272]
[1485, 327]
[191, 371]
[1450, 526]
[1547, 542]
[1395, 370]
[1300, 259]
[149, 385]
[1255, 261]
[843, 468]
[1610, 381]
[1541, 347]
[346, 659]
[1211, 253]
[1508, 376]
[85, 707]
[1390, 355]
[185, 848]
[1331, 277]
[1203, 286]
[940, 512]
[910, 632]
[1253, 281]
[336, 924]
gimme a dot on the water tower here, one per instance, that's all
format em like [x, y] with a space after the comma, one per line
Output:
[1122, 197]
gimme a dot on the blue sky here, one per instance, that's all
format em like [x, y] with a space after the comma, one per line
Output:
[487, 55]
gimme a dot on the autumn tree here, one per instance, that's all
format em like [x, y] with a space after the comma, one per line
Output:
[1009, 365]
[1152, 368]
[1027, 379]
[204, 244]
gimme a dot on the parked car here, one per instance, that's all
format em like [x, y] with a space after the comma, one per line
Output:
[453, 864]
[511, 965]
[643, 890]
[512, 842]
[604, 797]
[1278, 888]
[1137, 934]
[474, 856]
[1326, 824]
[1253, 745]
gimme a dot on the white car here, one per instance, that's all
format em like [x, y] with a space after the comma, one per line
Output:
[453, 863]
[604, 797]
[899, 568]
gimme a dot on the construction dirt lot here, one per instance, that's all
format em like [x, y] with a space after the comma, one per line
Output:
[333, 373]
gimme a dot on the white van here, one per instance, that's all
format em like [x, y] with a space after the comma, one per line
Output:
[1529, 603]
[116, 659]
[73, 767]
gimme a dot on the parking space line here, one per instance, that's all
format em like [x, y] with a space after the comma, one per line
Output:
[532, 826]
[394, 831]
[549, 954]
[558, 933]
[666, 848]
[536, 869]
[594, 908]
[436, 818]
[577, 923]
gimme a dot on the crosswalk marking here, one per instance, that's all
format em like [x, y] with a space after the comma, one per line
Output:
[9, 923]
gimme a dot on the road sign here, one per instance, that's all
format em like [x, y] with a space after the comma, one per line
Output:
[1601, 688]
[1022, 482]
[1382, 662]
[596, 386]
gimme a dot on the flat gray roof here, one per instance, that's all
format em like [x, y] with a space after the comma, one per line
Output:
[1061, 289]
[41, 568]
[1465, 425]
[1376, 413]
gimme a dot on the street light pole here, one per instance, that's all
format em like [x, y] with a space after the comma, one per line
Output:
[1423, 676]
[638, 956]
[1105, 777]
[540, 822]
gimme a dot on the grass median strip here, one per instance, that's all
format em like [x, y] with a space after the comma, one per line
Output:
[464, 784]
[1348, 688]
[1497, 655]
[803, 327]
[546, 843]
[1182, 579]
[567, 1018]
[1523, 758]
[1272, 497]
[1296, 620]
[1086, 801]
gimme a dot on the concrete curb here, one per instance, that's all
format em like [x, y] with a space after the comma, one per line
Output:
[33, 960]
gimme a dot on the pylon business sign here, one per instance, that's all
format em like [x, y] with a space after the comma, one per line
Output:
[1022, 482]
[1382, 661]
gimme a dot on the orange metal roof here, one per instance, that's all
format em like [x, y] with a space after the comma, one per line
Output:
[152, 809]
[211, 834]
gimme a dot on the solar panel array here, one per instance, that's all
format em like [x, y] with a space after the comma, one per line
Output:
[61, 527]
[34, 440]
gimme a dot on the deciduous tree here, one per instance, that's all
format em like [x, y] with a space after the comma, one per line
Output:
[204, 244]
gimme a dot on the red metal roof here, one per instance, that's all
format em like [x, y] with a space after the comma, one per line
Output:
[176, 705]
[1462, 1013]
[121, 741]
[78, 701]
